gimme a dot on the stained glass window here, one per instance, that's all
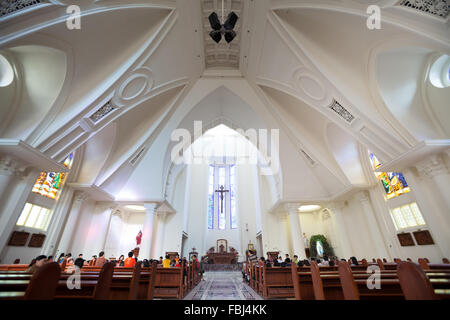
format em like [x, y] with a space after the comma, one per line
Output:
[49, 184]
[394, 183]
[211, 198]
[221, 212]
[407, 216]
[233, 213]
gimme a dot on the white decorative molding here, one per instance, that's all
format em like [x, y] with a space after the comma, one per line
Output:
[438, 8]
[134, 87]
[305, 81]
[341, 111]
[10, 166]
[103, 111]
[92, 191]
[362, 196]
[326, 214]
[410, 158]
[81, 197]
[30, 156]
[432, 166]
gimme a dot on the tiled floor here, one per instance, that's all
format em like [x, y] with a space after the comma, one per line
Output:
[222, 286]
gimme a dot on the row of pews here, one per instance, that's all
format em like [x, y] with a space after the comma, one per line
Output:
[51, 281]
[398, 280]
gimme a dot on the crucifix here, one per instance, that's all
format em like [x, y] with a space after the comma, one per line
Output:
[221, 192]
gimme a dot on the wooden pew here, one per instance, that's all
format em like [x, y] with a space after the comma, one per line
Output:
[43, 282]
[40, 286]
[13, 267]
[390, 284]
[122, 285]
[276, 282]
[97, 289]
[414, 283]
[169, 283]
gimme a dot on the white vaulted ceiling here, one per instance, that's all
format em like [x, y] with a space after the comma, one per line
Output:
[154, 66]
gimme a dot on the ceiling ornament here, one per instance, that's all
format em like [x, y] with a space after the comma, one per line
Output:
[137, 85]
[10, 6]
[341, 111]
[305, 81]
[308, 157]
[439, 8]
[137, 156]
[102, 111]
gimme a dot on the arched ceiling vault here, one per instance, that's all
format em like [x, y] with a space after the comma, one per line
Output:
[136, 71]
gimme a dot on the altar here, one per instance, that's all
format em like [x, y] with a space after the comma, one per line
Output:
[222, 255]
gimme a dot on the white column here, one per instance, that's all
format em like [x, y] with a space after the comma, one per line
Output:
[296, 231]
[112, 243]
[373, 228]
[15, 196]
[145, 251]
[66, 242]
[434, 169]
[10, 169]
[158, 248]
[345, 247]
[432, 206]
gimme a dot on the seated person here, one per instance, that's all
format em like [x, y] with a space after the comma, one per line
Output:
[324, 262]
[36, 263]
[287, 259]
[166, 262]
[121, 261]
[354, 261]
[79, 262]
[101, 260]
[130, 261]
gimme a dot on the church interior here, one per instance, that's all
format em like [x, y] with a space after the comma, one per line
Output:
[227, 149]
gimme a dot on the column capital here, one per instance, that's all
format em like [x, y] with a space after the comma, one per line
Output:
[11, 166]
[116, 212]
[292, 208]
[363, 196]
[150, 208]
[337, 205]
[432, 166]
[81, 196]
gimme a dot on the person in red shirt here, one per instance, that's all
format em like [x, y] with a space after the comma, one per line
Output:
[130, 261]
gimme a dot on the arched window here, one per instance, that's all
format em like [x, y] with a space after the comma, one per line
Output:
[233, 213]
[211, 198]
[222, 197]
[49, 184]
[394, 183]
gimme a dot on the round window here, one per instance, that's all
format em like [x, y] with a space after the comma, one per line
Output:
[440, 72]
[6, 72]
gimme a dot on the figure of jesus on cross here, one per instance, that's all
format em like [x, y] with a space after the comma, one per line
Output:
[221, 192]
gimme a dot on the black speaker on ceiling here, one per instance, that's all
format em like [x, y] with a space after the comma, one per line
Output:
[226, 29]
